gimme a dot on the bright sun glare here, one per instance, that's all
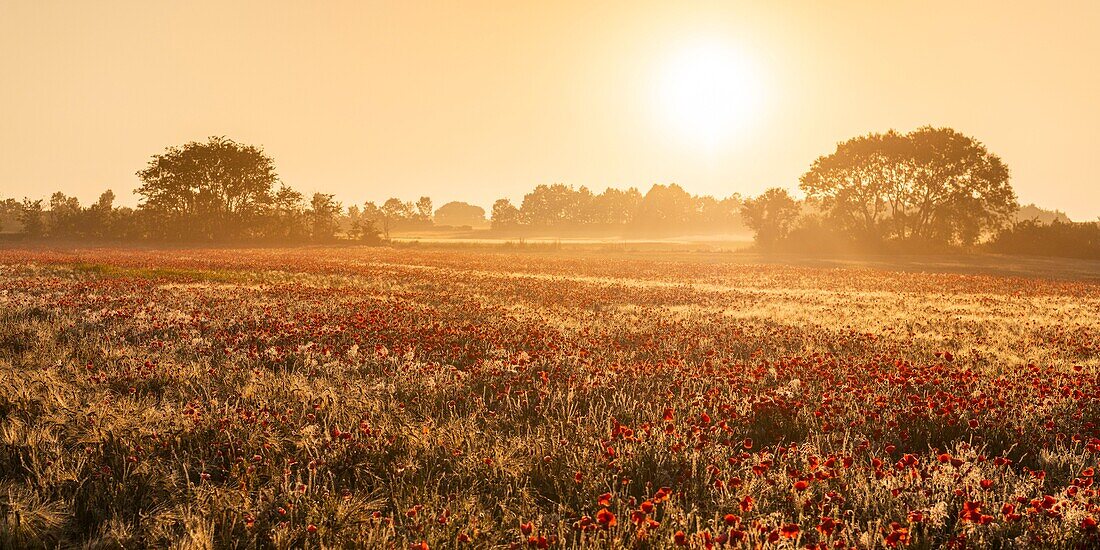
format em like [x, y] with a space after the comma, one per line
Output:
[709, 93]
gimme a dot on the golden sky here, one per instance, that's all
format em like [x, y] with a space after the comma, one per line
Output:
[477, 100]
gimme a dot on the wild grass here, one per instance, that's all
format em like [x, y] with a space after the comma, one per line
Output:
[336, 398]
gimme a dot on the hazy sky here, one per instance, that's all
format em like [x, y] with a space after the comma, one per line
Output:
[478, 100]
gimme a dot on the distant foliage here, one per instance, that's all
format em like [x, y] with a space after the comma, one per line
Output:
[930, 190]
[9, 215]
[505, 215]
[1067, 239]
[1032, 212]
[31, 217]
[771, 216]
[459, 214]
[663, 210]
[324, 216]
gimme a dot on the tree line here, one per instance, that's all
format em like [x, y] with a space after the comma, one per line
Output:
[222, 190]
[929, 189]
[664, 209]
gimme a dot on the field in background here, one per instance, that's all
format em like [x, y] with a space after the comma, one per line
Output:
[488, 237]
[594, 394]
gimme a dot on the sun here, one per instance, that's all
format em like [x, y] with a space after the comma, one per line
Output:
[709, 93]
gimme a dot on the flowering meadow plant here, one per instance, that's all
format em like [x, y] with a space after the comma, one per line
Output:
[397, 398]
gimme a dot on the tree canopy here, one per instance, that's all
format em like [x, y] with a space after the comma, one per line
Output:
[772, 215]
[932, 184]
[459, 214]
[208, 190]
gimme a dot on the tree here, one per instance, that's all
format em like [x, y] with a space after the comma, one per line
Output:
[458, 214]
[424, 210]
[98, 220]
[615, 207]
[771, 216]
[211, 190]
[666, 208]
[932, 184]
[377, 218]
[324, 214]
[555, 205]
[362, 226]
[397, 214]
[9, 212]
[30, 215]
[287, 219]
[64, 216]
[1031, 212]
[505, 215]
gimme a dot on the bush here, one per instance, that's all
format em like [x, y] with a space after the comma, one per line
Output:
[1066, 239]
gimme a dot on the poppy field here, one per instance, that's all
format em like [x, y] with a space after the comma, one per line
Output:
[419, 398]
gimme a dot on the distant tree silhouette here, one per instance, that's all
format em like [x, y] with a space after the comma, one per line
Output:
[64, 216]
[361, 226]
[554, 206]
[424, 210]
[287, 216]
[666, 207]
[771, 215]
[30, 215]
[615, 207]
[460, 214]
[505, 215]
[324, 217]
[100, 219]
[212, 190]
[1034, 213]
[1059, 238]
[10, 210]
[397, 212]
[723, 215]
[378, 219]
[932, 184]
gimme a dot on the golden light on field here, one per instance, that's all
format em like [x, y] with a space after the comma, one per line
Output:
[709, 93]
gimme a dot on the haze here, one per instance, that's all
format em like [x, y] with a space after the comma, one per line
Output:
[480, 100]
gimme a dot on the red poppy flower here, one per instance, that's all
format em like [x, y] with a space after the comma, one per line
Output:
[898, 535]
[827, 526]
[1089, 524]
[789, 531]
[971, 511]
[680, 538]
[605, 517]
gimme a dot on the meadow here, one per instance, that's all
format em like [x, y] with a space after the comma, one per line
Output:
[484, 398]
